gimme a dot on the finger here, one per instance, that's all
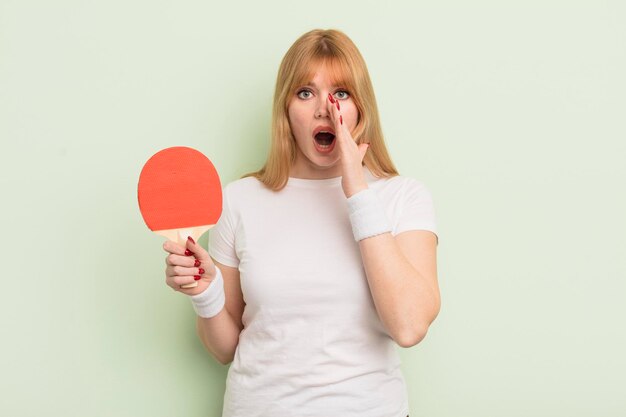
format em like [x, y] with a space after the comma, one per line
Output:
[182, 260]
[198, 252]
[178, 280]
[335, 117]
[194, 249]
[331, 106]
[173, 247]
[342, 133]
[178, 270]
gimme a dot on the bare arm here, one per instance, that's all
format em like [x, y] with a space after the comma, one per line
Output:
[402, 276]
[220, 333]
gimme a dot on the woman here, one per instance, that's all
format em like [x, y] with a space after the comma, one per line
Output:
[322, 261]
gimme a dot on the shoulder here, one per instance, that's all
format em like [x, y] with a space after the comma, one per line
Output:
[410, 203]
[398, 185]
[408, 182]
[241, 186]
[243, 192]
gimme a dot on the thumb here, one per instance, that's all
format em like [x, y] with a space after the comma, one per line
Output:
[363, 149]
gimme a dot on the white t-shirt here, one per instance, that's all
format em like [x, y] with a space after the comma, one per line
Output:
[312, 344]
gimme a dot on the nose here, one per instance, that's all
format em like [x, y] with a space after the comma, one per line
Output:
[322, 107]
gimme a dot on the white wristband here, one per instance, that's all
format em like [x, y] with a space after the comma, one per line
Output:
[367, 215]
[211, 301]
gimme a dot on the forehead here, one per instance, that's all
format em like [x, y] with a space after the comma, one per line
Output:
[328, 72]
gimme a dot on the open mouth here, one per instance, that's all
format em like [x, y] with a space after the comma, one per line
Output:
[324, 140]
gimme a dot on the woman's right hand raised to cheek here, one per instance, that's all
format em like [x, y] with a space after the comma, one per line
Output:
[187, 264]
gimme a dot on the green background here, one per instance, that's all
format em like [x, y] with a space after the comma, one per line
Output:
[512, 113]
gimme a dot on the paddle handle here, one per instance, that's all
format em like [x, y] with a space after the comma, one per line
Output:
[180, 236]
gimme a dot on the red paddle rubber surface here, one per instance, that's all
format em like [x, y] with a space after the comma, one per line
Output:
[179, 188]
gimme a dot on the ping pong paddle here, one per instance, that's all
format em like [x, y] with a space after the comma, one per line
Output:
[180, 195]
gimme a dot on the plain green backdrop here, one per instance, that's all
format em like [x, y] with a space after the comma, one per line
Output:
[511, 112]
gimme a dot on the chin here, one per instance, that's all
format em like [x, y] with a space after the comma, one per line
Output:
[323, 161]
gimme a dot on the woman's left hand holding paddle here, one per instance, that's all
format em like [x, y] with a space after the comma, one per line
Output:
[188, 264]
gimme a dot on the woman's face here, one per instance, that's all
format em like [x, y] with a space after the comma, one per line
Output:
[309, 110]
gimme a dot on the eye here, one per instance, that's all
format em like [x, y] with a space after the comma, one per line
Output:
[304, 90]
[345, 94]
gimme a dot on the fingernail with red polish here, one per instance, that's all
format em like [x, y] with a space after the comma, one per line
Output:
[196, 263]
[192, 241]
[338, 108]
[201, 271]
[188, 252]
[196, 277]
[331, 98]
[341, 119]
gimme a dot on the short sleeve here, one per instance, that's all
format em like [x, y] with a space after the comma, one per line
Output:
[417, 210]
[222, 236]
